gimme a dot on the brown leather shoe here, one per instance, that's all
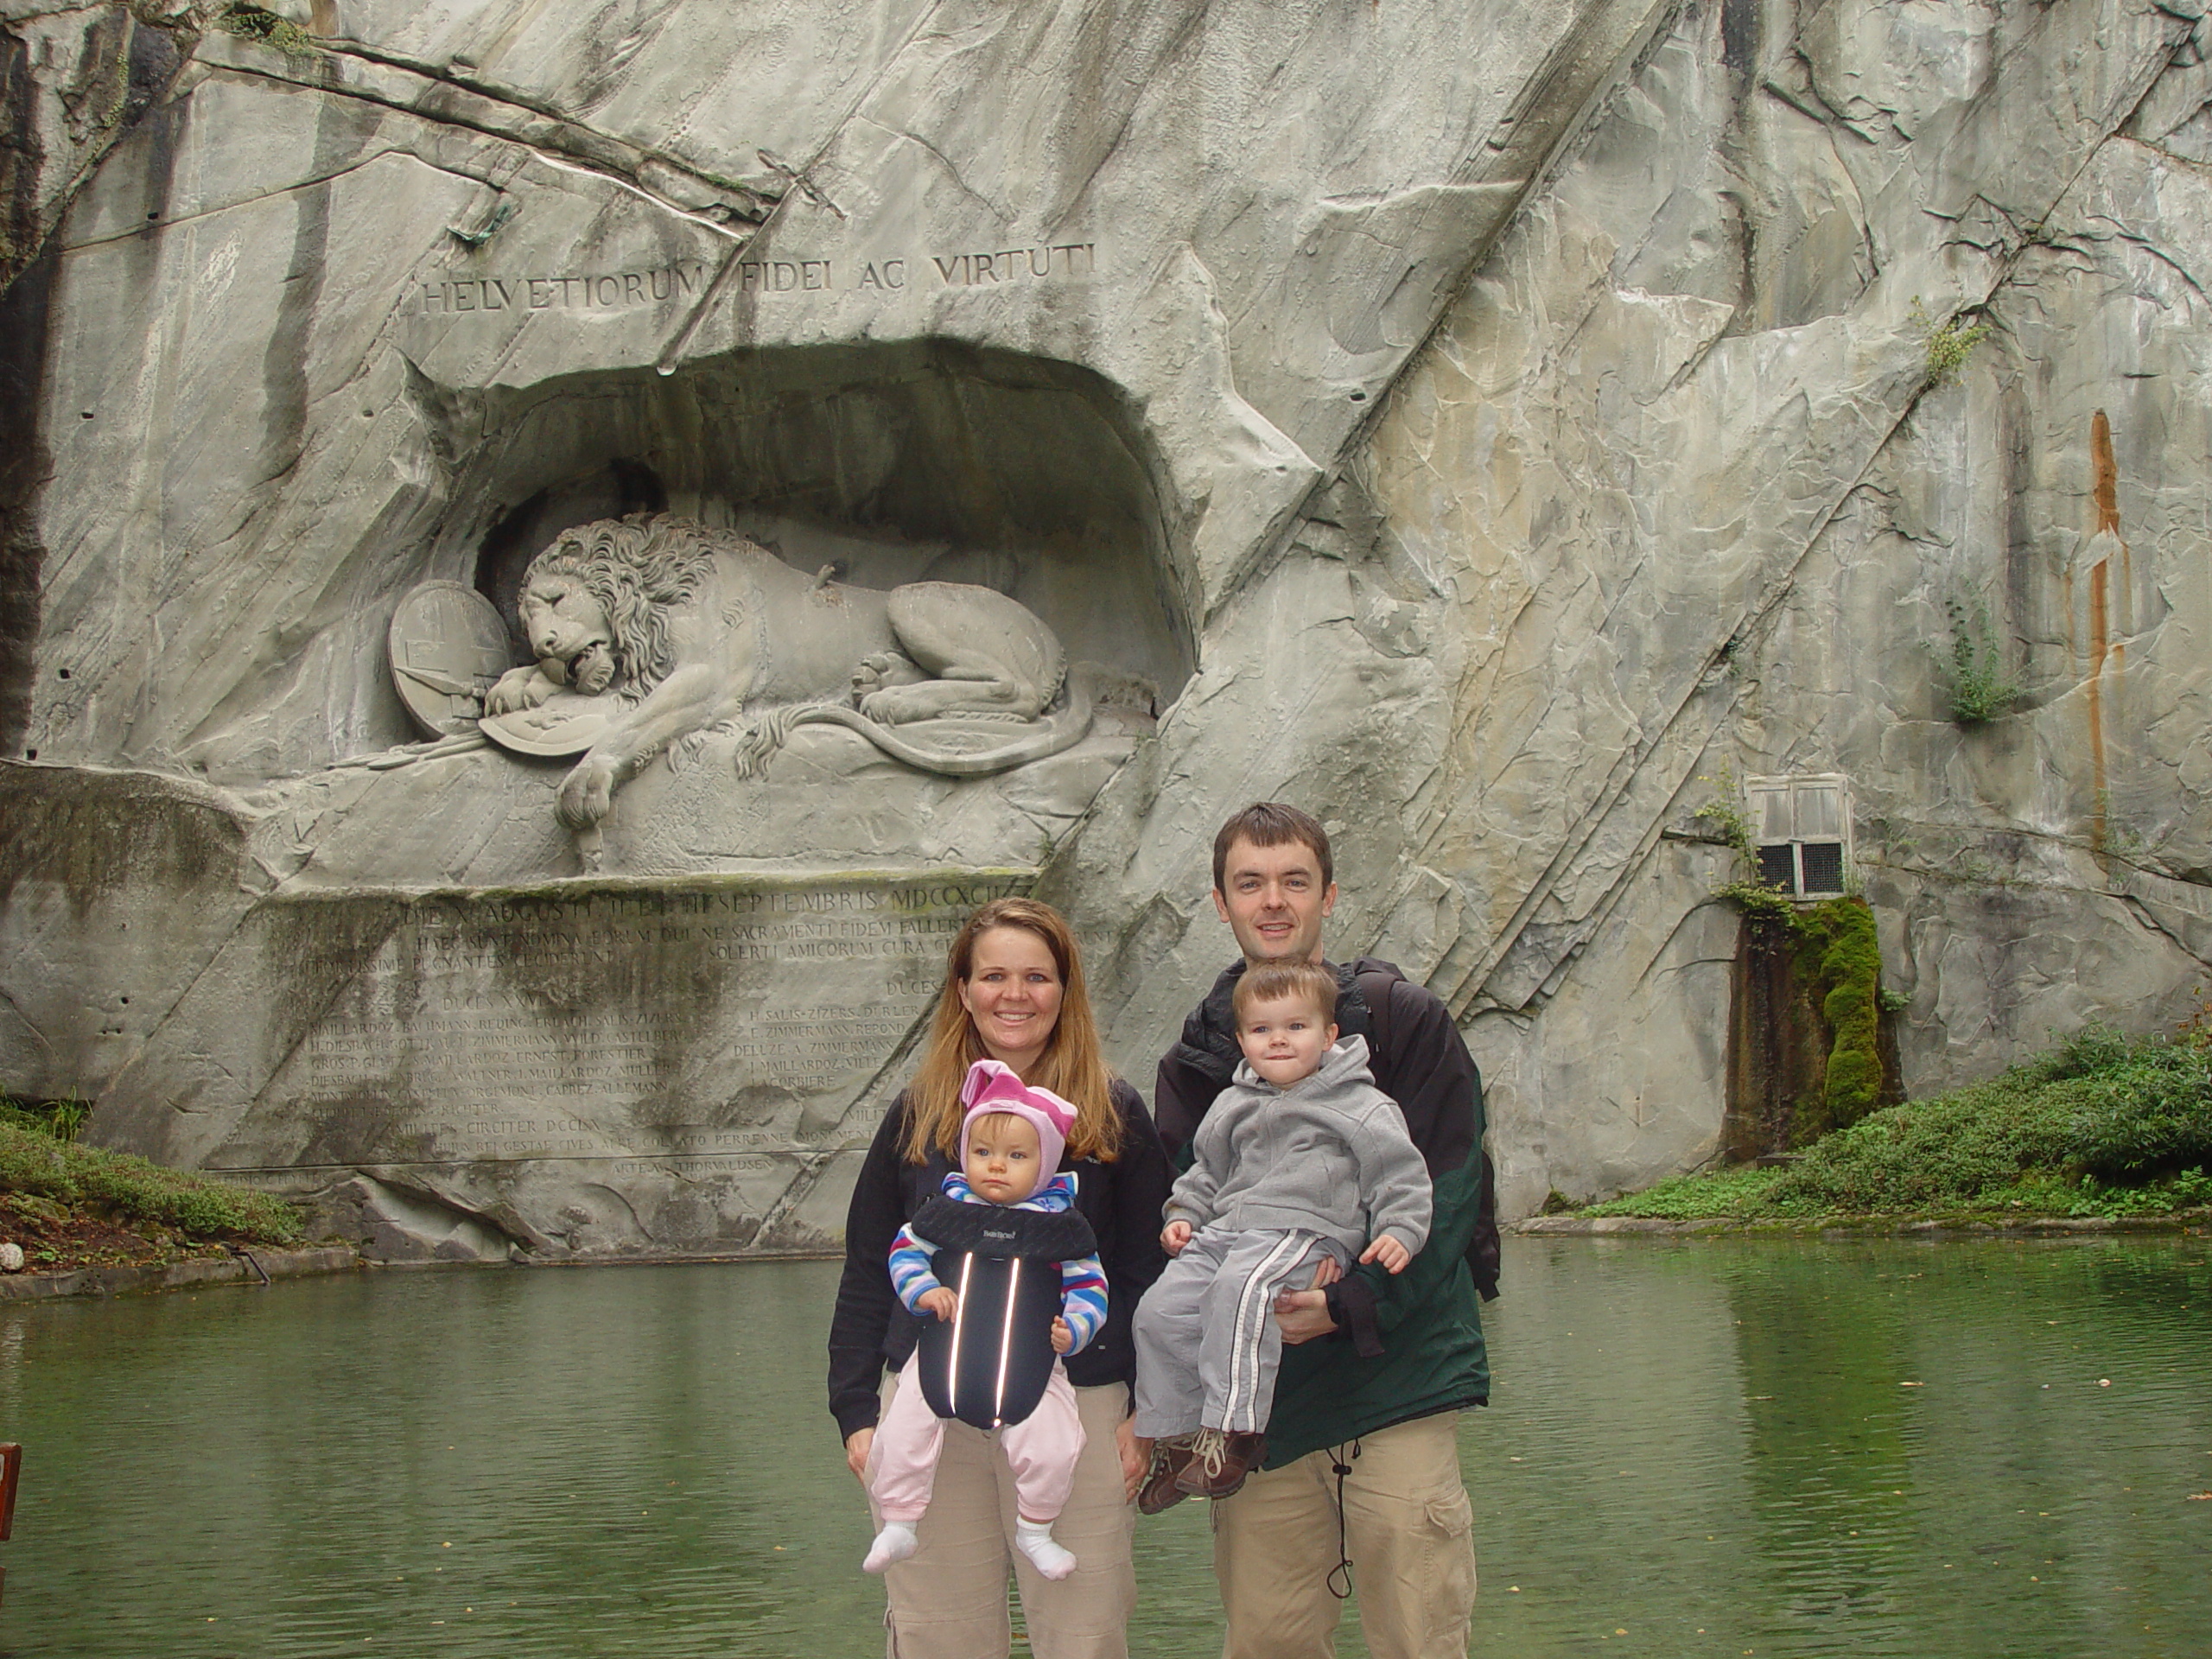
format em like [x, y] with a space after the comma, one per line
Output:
[1219, 1462]
[1170, 1457]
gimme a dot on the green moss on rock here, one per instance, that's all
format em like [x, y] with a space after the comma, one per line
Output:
[257, 23]
[1840, 956]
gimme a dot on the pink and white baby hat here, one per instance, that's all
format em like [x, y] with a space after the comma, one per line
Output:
[991, 1086]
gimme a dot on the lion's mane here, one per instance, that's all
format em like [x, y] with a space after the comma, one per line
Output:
[639, 569]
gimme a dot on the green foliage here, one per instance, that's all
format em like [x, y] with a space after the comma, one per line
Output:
[2147, 1114]
[1839, 954]
[255, 23]
[1974, 677]
[1726, 818]
[1954, 1151]
[1717, 1193]
[2104, 1125]
[2049, 1194]
[60, 1118]
[1756, 898]
[1724, 815]
[36, 1162]
[1949, 345]
[2094, 1048]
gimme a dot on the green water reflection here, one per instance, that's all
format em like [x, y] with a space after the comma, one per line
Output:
[1709, 1448]
[1862, 1448]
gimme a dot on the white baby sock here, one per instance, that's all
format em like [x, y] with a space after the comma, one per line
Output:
[1034, 1540]
[894, 1544]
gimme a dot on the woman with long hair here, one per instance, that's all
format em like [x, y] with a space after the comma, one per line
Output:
[1012, 991]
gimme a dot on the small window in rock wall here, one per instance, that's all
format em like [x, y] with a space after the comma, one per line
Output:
[1803, 825]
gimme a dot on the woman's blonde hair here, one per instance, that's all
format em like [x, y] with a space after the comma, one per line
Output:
[1070, 1066]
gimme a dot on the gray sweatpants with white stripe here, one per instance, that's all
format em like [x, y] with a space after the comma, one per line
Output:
[1207, 1341]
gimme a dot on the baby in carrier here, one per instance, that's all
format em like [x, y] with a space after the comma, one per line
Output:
[1027, 1288]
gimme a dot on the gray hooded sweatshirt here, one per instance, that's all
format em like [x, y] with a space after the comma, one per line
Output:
[1329, 1155]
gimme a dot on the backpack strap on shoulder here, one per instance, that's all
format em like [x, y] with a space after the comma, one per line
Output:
[1374, 985]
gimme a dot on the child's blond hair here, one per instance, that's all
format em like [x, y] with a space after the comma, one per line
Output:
[1276, 982]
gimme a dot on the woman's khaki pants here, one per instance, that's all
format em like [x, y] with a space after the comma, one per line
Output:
[948, 1600]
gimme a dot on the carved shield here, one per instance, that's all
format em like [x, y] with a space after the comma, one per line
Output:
[448, 646]
[567, 722]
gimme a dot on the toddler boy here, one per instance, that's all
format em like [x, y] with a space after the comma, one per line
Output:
[1300, 1159]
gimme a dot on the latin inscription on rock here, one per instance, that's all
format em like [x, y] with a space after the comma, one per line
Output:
[692, 1043]
[621, 290]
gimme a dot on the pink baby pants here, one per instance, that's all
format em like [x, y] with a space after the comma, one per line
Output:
[1041, 1449]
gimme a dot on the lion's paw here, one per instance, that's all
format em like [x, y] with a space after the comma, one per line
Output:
[897, 705]
[587, 793]
[874, 672]
[516, 690]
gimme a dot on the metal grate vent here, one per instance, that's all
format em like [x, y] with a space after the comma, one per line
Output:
[1819, 867]
[1803, 826]
[1777, 868]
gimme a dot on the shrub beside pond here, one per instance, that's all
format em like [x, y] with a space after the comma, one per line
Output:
[69, 1205]
[2105, 1125]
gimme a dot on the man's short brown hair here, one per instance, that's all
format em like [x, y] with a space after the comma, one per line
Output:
[1271, 982]
[1271, 823]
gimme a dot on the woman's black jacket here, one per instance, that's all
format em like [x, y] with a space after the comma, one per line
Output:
[1121, 1200]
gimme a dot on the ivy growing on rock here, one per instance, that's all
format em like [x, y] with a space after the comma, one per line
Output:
[1949, 344]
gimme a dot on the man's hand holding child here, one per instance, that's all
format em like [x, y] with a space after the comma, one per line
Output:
[1174, 1235]
[945, 1302]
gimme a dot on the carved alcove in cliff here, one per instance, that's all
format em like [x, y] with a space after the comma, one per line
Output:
[899, 462]
[887, 464]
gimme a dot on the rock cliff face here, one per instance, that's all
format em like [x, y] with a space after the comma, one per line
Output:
[1700, 505]
[1502, 430]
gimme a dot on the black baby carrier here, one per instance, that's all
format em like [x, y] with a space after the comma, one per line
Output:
[988, 1364]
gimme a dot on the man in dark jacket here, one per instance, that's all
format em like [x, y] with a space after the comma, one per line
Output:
[1363, 1470]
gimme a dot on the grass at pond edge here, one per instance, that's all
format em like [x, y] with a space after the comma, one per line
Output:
[60, 1189]
[2103, 1128]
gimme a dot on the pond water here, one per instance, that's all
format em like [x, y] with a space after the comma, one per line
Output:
[1699, 1448]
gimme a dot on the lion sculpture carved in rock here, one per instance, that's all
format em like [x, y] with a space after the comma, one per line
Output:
[691, 630]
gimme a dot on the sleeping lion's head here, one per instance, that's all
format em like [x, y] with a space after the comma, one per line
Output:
[596, 602]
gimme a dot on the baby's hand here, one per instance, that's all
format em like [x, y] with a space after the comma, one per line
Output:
[1390, 1252]
[1174, 1235]
[942, 1301]
[1062, 1338]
